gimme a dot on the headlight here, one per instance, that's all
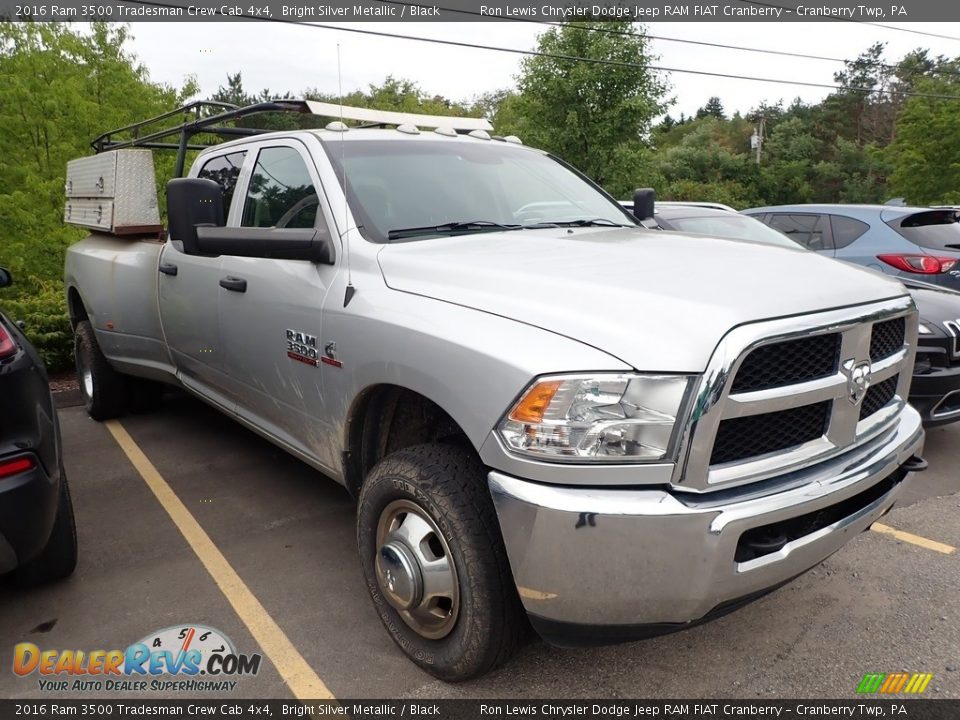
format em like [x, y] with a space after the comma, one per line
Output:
[924, 330]
[597, 418]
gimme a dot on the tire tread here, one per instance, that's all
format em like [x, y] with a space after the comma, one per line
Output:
[457, 478]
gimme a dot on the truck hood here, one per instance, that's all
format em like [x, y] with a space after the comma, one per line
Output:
[657, 301]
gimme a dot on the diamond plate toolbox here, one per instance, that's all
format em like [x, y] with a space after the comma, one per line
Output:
[113, 192]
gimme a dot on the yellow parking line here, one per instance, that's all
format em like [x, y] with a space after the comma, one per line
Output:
[914, 539]
[295, 671]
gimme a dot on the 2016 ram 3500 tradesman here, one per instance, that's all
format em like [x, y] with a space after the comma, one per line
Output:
[543, 408]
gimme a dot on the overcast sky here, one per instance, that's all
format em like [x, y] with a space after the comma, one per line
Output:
[292, 58]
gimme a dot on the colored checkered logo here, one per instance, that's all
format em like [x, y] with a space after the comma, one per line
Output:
[893, 683]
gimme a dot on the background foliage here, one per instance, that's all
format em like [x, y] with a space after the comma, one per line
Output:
[61, 86]
[58, 89]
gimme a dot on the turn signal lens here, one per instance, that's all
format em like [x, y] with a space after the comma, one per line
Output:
[597, 418]
[535, 401]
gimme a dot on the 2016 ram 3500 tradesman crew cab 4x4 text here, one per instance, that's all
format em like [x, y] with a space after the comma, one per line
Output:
[543, 408]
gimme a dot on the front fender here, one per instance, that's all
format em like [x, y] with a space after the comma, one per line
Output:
[470, 363]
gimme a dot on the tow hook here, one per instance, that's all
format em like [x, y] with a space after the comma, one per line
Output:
[915, 464]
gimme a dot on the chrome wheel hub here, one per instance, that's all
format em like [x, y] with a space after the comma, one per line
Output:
[84, 372]
[399, 576]
[415, 570]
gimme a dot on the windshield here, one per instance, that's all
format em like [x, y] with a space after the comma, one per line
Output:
[737, 227]
[417, 189]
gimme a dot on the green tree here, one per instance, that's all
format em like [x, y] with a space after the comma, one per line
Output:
[713, 108]
[706, 159]
[60, 88]
[585, 112]
[924, 155]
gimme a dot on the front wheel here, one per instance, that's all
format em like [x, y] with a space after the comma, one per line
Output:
[434, 561]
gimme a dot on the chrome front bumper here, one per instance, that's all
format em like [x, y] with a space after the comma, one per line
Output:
[636, 557]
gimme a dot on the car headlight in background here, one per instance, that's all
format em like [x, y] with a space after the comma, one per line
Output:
[924, 330]
[597, 418]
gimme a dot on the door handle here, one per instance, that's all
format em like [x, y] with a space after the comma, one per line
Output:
[168, 268]
[234, 283]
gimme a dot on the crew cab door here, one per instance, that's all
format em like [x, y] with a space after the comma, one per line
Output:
[189, 298]
[270, 309]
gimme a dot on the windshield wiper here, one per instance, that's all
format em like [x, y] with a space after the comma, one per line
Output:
[587, 222]
[472, 226]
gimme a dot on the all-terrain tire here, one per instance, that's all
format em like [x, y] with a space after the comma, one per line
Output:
[449, 484]
[102, 387]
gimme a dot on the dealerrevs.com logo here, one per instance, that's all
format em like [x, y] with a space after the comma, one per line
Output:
[190, 658]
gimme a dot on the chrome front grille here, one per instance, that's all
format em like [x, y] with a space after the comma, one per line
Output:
[782, 395]
[886, 338]
[788, 362]
[754, 435]
[878, 396]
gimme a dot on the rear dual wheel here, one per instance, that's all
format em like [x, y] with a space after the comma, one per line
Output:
[435, 564]
[106, 392]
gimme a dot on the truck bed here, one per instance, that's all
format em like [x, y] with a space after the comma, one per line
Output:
[119, 279]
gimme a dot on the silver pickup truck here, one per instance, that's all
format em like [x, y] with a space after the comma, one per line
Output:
[544, 410]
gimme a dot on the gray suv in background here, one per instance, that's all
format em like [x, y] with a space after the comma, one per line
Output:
[935, 388]
[909, 242]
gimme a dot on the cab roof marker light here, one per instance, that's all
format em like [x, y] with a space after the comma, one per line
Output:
[446, 131]
[513, 139]
[336, 126]
[480, 134]
[408, 129]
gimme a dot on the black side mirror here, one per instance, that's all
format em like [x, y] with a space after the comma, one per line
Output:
[5, 278]
[643, 201]
[276, 243]
[193, 202]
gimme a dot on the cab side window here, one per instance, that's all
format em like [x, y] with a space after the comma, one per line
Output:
[281, 193]
[808, 230]
[224, 171]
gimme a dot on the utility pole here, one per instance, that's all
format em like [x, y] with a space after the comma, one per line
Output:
[756, 140]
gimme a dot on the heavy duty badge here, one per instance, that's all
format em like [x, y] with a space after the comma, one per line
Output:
[302, 347]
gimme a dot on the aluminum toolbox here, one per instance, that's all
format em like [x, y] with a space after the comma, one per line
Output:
[113, 192]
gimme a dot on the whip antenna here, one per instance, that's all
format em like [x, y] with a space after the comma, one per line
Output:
[348, 295]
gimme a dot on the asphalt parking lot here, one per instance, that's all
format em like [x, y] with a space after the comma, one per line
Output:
[883, 604]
